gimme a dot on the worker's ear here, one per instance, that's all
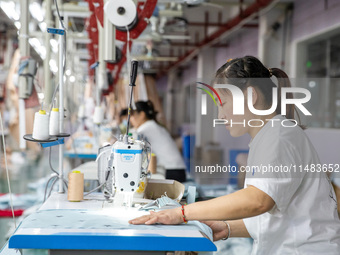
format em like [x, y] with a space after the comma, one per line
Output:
[254, 95]
[143, 114]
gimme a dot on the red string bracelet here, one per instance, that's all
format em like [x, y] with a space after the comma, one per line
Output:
[184, 219]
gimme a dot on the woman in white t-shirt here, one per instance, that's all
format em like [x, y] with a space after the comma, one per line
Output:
[285, 210]
[168, 156]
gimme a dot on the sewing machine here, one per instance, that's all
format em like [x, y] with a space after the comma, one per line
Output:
[128, 171]
[128, 160]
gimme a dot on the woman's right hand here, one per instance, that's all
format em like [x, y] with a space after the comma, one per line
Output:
[219, 228]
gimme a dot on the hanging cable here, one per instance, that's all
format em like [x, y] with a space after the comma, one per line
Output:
[91, 191]
[60, 19]
[55, 171]
[48, 181]
[57, 174]
[54, 182]
[49, 161]
[7, 173]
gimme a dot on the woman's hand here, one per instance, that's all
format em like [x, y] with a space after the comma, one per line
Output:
[167, 217]
[219, 228]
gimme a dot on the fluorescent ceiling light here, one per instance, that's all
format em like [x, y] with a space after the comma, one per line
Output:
[39, 48]
[17, 24]
[43, 26]
[53, 66]
[36, 11]
[41, 96]
[54, 44]
[10, 10]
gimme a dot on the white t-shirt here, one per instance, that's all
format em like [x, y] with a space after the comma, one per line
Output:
[304, 219]
[162, 145]
[336, 178]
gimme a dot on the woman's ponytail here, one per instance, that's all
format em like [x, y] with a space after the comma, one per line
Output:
[284, 82]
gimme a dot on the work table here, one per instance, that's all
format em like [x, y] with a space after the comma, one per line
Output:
[65, 227]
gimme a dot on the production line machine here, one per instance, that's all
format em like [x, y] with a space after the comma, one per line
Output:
[124, 164]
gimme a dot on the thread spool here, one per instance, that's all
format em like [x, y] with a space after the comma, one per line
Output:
[41, 126]
[98, 115]
[153, 164]
[75, 186]
[54, 121]
[121, 13]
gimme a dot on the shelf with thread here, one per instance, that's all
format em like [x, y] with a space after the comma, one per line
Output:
[63, 135]
[29, 137]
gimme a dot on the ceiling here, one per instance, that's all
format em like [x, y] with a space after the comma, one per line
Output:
[176, 32]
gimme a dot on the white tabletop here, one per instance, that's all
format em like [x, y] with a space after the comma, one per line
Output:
[93, 201]
[90, 225]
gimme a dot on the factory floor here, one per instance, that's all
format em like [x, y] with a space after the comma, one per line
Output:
[27, 169]
[23, 169]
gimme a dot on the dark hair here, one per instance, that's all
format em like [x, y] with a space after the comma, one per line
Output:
[123, 112]
[147, 108]
[249, 71]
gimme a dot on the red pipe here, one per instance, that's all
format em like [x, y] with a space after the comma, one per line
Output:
[253, 8]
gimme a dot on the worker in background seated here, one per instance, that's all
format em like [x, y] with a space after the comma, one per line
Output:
[143, 118]
[123, 115]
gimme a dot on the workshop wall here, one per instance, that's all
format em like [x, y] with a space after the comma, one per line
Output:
[313, 16]
[241, 44]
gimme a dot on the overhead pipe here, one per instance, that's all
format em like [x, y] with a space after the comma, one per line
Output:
[201, 24]
[192, 45]
[228, 27]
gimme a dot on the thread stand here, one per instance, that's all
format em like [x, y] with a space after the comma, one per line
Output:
[63, 135]
[29, 137]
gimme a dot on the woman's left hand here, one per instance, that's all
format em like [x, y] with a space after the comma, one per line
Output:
[219, 229]
[167, 217]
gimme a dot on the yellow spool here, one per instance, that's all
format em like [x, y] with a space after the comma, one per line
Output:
[75, 186]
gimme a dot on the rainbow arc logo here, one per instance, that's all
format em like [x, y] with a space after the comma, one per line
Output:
[204, 97]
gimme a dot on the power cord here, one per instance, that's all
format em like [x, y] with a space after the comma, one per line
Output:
[7, 173]
[55, 171]
[49, 161]
[54, 182]
[101, 185]
[60, 19]
[47, 186]
[55, 177]
[91, 191]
